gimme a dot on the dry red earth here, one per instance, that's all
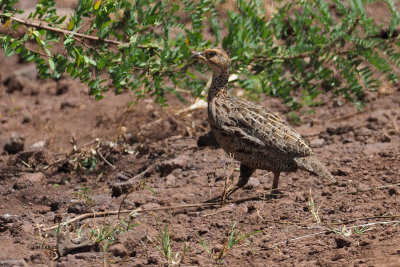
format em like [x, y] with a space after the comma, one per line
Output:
[362, 150]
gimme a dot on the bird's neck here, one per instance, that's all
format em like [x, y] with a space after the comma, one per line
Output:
[219, 84]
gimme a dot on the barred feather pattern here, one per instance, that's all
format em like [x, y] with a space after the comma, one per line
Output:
[255, 136]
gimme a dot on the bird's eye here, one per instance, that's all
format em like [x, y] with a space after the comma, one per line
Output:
[212, 54]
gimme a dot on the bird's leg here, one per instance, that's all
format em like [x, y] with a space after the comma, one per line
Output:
[275, 190]
[245, 173]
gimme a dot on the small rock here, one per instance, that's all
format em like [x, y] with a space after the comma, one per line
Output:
[13, 263]
[319, 142]
[363, 187]
[251, 207]
[392, 192]
[171, 179]
[21, 184]
[77, 208]
[384, 138]
[15, 143]
[27, 118]
[6, 222]
[342, 171]
[166, 167]
[151, 206]
[38, 258]
[252, 183]
[118, 250]
[202, 229]
[339, 130]
[38, 145]
[220, 174]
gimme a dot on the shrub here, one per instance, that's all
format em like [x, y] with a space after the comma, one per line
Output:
[307, 48]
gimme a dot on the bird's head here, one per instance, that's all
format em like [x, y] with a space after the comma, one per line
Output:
[215, 58]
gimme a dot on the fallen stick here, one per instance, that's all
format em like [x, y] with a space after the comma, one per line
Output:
[116, 212]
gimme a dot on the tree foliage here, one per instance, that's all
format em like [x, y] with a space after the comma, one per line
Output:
[307, 48]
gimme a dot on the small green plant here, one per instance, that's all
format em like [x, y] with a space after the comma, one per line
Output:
[361, 230]
[314, 211]
[163, 245]
[235, 237]
[89, 163]
[105, 235]
[83, 193]
[343, 230]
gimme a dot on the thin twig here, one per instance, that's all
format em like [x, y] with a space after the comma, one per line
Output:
[67, 32]
[105, 160]
[372, 188]
[366, 218]
[115, 212]
[335, 230]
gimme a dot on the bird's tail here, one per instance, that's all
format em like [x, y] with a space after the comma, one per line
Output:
[312, 164]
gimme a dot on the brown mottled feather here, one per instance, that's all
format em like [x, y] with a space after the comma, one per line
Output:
[252, 134]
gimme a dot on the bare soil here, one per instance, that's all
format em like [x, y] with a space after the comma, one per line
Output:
[46, 184]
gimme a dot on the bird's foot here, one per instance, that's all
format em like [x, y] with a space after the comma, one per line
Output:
[275, 193]
[223, 197]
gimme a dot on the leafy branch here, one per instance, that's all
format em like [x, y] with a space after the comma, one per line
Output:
[308, 48]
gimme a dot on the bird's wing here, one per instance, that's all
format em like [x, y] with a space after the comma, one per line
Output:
[264, 127]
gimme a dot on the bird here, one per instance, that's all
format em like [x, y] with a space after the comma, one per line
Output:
[251, 133]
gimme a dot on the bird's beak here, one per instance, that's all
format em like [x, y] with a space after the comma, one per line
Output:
[197, 55]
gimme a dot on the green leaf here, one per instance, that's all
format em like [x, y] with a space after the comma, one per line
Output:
[51, 64]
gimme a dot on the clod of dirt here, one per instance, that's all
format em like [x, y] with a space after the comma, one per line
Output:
[27, 118]
[118, 250]
[170, 179]
[28, 180]
[13, 83]
[207, 140]
[166, 167]
[339, 130]
[38, 258]
[384, 138]
[342, 242]
[67, 245]
[252, 183]
[32, 158]
[318, 142]
[392, 192]
[38, 145]
[15, 143]
[342, 171]
[77, 208]
[13, 263]
[6, 222]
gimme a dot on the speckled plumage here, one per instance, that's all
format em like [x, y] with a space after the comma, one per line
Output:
[252, 134]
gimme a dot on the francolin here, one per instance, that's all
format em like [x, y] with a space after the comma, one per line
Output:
[251, 133]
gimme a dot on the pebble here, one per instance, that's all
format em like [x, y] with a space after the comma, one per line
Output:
[253, 182]
[318, 142]
[171, 179]
[166, 167]
[15, 143]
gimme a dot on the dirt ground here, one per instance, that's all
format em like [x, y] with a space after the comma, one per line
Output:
[63, 130]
